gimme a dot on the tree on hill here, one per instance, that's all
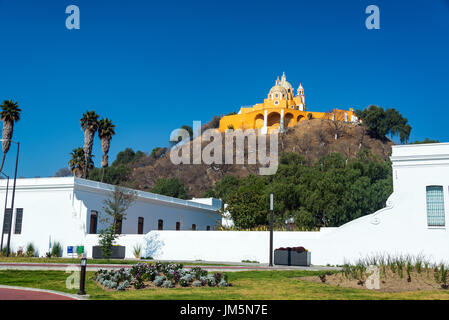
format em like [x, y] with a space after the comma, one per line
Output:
[328, 193]
[158, 152]
[248, 204]
[127, 156]
[171, 187]
[116, 175]
[426, 140]
[380, 123]
[63, 172]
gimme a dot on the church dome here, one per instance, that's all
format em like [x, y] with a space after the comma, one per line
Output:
[278, 89]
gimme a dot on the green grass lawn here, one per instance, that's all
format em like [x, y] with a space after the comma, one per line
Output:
[247, 285]
[89, 261]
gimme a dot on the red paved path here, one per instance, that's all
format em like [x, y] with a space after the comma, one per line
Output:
[17, 294]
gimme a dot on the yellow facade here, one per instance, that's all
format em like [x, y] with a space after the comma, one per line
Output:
[281, 109]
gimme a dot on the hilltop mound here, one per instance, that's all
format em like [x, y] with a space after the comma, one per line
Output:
[312, 138]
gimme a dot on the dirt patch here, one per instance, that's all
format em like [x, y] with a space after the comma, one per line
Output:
[388, 282]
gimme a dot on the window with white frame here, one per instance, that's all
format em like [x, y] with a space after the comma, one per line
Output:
[435, 206]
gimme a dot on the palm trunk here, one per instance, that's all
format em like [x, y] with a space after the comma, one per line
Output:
[88, 144]
[8, 128]
[105, 144]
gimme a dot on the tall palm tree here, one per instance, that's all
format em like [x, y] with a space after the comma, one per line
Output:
[105, 132]
[77, 162]
[10, 114]
[89, 123]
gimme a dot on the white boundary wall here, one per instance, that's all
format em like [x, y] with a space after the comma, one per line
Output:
[399, 228]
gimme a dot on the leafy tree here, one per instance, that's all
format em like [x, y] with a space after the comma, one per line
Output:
[158, 152]
[115, 175]
[225, 186]
[248, 206]
[10, 114]
[328, 193]
[127, 156]
[426, 140]
[63, 172]
[380, 123]
[171, 187]
[115, 208]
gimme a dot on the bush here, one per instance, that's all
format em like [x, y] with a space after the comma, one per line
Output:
[222, 283]
[197, 283]
[20, 252]
[197, 272]
[137, 250]
[158, 280]
[211, 281]
[185, 280]
[30, 252]
[56, 250]
[165, 275]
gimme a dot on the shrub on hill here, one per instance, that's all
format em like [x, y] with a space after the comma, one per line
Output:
[328, 193]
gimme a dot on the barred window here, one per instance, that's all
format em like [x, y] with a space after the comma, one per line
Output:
[18, 224]
[435, 206]
[7, 221]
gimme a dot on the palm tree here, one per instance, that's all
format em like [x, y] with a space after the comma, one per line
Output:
[89, 123]
[10, 114]
[77, 162]
[105, 132]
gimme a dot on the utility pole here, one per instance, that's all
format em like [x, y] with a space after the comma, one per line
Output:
[271, 230]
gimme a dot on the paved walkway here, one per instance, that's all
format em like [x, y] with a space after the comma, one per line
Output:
[20, 293]
[95, 267]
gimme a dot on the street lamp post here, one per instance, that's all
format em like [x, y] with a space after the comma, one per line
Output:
[12, 199]
[82, 291]
[271, 230]
[6, 206]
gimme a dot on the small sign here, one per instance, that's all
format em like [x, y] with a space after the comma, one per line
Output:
[80, 249]
[69, 249]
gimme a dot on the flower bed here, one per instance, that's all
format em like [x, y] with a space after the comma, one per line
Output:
[165, 275]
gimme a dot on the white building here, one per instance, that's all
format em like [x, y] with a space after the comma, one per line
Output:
[66, 210]
[413, 222]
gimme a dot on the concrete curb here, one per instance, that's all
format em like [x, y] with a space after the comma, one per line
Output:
[73, 296]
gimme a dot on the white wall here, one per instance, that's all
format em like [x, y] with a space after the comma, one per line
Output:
[400, 228]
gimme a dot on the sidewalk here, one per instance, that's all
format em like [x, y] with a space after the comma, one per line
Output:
[96, 267]
[22, 293]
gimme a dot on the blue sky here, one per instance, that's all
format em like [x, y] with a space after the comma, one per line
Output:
[154, 66]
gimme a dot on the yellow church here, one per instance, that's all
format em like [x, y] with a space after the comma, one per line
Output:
[281, 109]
